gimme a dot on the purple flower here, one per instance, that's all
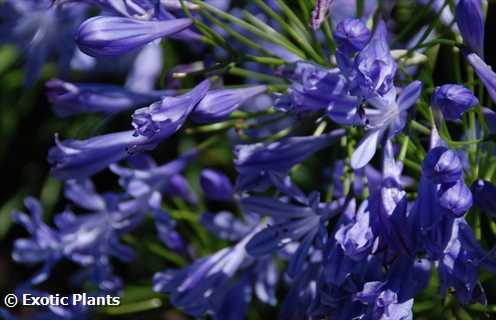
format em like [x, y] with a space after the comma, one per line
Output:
[281, 155]
[74, 98]
[294, 223]
[460, 263]
[455, 198]
[485, 73]
[163, 118]
[453, 100]
[388, 206]
[178, 186]
[442, 165]
[42, 30]
[219, 284]
[227, 226]
[470, 21]
[355, 237]
[44, 245]
[74, 159]
[215, 185]
[218, 104]
[255, 162]
[351, 35]
[108, 36]
[374, 66]
[485, 196]
[386, 115]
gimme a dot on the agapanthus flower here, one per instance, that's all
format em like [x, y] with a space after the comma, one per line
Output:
[393, 298]
[384, 116]
[42, 29]
[390, 219]
[216, 185]
[108, 36]
[460, 263]
[470, 21]
[74, 159]
[219, 104]
[208, 285]
[374, 66]
[44, 245]
[351, 35]
[165, 117]
[178, 186]
[485, 196]
[254, 162]
[485, 73]
[453, 100]
[74, 98]
[293, 223]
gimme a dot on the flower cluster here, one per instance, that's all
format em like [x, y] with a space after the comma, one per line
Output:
[360, 186]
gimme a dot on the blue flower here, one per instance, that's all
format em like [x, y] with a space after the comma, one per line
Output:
[74, 159]
[208, 285]
[108, 36]
[453, 100]
[215, 185]
[42, 29]
[44, 245]
[374, 66]
[163, 118]
[293, 223]
[351, 35]
[255, 161]
[485, 73]
[218, 104]
[485, 196]
[470, 21]
[388, 206]
[74, 98]
[386, 115]
[460, 263]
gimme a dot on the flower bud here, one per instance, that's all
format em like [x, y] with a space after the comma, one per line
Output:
[453, 100]
[456, 198]
[218, 104]
[442, 165]
[110, 36]
[470, 21]
[216, 186]
[351, 35]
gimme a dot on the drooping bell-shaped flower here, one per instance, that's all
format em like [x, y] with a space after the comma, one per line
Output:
[109, 36]
[470, 21]
[453, 100]
[216, 185]
[218, 104]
